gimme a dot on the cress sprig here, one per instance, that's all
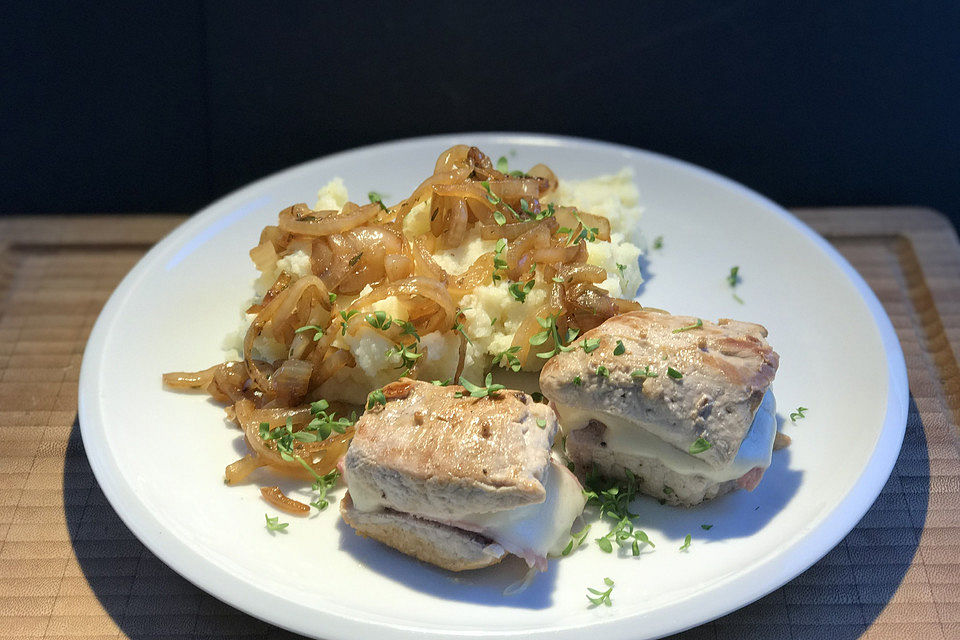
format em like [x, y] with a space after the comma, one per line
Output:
[550, 330]
[476, 391]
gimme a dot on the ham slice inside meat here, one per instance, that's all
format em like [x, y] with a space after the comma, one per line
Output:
[751, 479]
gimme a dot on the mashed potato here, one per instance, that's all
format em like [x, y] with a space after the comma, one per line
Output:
[616, 198]
[491, 314]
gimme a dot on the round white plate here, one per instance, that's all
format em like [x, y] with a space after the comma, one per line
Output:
[159, 456]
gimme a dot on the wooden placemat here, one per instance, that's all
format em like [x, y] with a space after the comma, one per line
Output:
[69, 568]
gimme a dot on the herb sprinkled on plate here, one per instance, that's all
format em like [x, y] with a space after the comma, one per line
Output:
[274, 524]
[600, 597]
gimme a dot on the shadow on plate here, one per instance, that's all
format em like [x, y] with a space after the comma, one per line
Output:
[643, 261]
[838, 597]
[147, 599]
[734, 515]
[483, 586]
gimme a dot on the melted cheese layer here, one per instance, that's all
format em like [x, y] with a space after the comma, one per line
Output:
[633, 438]
[535, 530]
[532, 531]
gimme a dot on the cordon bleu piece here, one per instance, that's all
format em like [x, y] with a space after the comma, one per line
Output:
[682, 403]
[459, 481]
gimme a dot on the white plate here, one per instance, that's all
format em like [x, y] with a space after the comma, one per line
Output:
[159, 456]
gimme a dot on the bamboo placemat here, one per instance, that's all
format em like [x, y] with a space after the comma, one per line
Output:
[69, 568]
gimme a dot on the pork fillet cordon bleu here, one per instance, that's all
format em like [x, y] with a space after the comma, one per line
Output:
[459, 481]
[683, 404]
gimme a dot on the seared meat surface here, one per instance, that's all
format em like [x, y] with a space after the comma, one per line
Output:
[428, 451]
[682, 380]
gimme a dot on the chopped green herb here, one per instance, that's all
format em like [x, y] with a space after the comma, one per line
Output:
[305, 436]
[493, 321]
[798, 414]
[459, 328]
[673, 373]
[345, 316]
[558, 279]
[576, 539]
[312, 327]
[284, 438]
[537, 213]
[590, 233]
[658, 242]
[407, 329]
[322, 485]
[274, 524]
[499, 264]
[686, 542]
[376, 397]
[407, 354]
[605, 545]
[700, 445]
[695, 325]
[442, 383]
[590, 344]
[476, 391]
[502, 165]
[734, 277]
[376, 198]
[706, 527]
[333, 297]
[525, 208]
[603, 372]
[624, 534]
[510, 355]
[601, 597]
[536, 396]
[355, 259]
[541, 423]
[323, 423]
[644, 373]
[520, 291]
[379, 320]
[586, 233]
[613, 499]
[619, 350]
[667, 490]
[550, 330]
[549, 212]
[577, 381]
[497, 200]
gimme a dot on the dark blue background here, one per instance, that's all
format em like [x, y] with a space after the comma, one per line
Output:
[114, 106]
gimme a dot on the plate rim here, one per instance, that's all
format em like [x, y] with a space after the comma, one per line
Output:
[262, 604]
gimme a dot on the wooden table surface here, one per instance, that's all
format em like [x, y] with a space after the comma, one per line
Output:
[69, 568]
